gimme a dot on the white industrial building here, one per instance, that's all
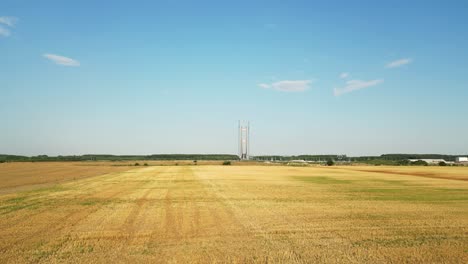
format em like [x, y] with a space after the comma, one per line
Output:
[298, 161]
[461, 159]
[429, 161]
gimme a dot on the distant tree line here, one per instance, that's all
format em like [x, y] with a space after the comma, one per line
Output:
[301, 157]
[385, 159]
[105, 157]
[402, 159]
[420, 156]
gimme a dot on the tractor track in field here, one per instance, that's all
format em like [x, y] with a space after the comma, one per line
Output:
[252, 227]
[171, 224]
[41, 211]
[46, 177]
[129, 228]
[458, 177]
[206, 214]
[75, 186]
[68, 221]
[58, 224]
[139, 207]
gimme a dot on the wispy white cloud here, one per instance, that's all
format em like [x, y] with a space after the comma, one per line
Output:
[61, 60]
[4, 32]
[288, 85]
[264, 85]
[399, 63]
[9, 21]
[344, 75]
[354, 85]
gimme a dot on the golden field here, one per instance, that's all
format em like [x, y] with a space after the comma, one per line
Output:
[98, 213]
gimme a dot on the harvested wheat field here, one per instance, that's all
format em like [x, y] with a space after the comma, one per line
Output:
[20, 176]
[240, 214]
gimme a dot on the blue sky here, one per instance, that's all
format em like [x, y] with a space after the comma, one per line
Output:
[313, 77]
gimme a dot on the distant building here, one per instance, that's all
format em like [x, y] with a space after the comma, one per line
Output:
[429, 161]
[298, 161]
[461, 159]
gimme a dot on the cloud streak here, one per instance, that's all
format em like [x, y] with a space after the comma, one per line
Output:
[4, 32]
[398, 63]
[354, 85]
[288, 85]
[9, 21]
[344, 75]
[61, 60]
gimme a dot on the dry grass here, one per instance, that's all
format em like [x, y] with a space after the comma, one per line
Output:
[19, 176]
[454, 173]
[241, 214]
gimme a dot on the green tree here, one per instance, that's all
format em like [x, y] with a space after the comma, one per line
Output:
[419, 163]
[403, 162]
[330, 162]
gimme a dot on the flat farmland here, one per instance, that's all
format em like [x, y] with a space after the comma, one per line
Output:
[239, 214]
[19, 176]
